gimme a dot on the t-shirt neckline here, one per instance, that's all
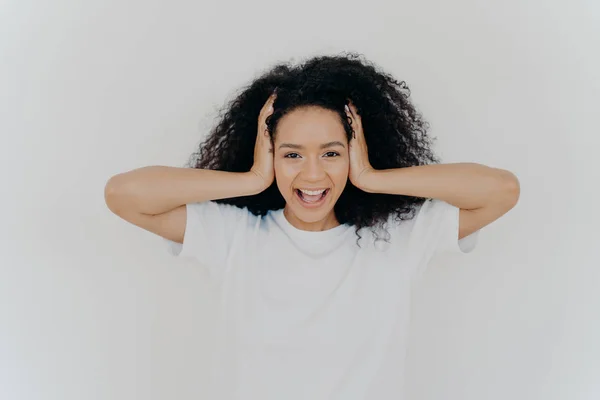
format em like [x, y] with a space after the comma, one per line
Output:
[308, 235]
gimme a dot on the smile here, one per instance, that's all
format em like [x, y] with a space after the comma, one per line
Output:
[312, 198]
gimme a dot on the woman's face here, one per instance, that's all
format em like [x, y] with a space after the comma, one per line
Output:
[311, 166]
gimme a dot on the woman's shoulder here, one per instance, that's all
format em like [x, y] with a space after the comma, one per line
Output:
[220, 212]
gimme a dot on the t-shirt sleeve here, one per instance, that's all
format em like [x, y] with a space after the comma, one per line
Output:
[209, 233]
[435, 231]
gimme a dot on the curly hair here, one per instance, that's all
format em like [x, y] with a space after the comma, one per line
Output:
[395, 132]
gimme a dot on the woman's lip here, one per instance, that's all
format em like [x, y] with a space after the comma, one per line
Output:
[309, 204]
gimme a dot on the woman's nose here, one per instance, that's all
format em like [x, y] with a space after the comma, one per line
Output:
[314, 169]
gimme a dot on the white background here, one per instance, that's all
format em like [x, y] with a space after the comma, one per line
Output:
[92, 307]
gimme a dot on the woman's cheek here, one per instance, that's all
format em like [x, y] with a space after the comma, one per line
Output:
[285, 169]
[340, 169]
[285, 174]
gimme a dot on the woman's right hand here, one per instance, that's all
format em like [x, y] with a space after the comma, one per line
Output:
[263, 149]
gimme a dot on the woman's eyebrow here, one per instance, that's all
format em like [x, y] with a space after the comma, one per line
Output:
[332, 144]
[291, 146]
[322, 146]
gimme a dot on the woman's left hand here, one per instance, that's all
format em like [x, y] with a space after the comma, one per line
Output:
[360, 167]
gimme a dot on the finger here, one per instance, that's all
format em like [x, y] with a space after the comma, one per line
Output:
[354, 112]
[353, 123]
[349, 114]
[268, 106]
[349, 109]
[356, 118]
[265, 111]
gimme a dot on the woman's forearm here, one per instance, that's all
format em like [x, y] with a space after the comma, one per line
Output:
[158, 189]
[464, 185]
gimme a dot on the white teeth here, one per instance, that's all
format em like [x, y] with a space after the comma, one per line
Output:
[312, 192]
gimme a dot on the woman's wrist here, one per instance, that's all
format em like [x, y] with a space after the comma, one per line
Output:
[256, 182]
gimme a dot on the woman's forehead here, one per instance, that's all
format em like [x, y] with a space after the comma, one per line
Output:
[310, 127]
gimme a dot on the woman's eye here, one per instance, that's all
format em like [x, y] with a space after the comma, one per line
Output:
[328, 154]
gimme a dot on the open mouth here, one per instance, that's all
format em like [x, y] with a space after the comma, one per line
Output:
[312, 198]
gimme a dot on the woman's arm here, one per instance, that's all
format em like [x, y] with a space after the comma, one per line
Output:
[154, 198]
[482, 193]
[465, 185]
[158, 189]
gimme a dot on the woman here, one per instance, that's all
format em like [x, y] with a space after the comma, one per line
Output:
[315, 204]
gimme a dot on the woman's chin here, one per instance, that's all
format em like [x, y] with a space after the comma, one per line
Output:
[311, 212]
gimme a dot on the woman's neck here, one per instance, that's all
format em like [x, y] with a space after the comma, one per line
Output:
[329, 222]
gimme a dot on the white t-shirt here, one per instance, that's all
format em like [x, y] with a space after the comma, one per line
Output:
[311, 315]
